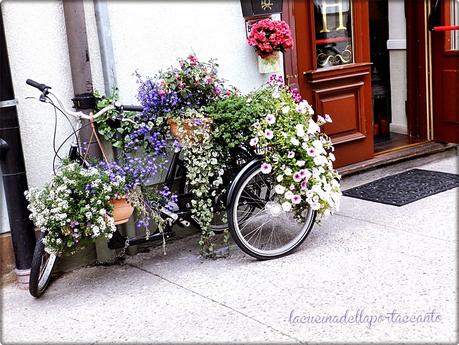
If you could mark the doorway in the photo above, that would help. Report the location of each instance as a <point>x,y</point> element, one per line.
<point>389,75</point>
<point>351,61</point>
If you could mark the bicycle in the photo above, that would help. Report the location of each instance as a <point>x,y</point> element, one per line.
<point>256,221</point>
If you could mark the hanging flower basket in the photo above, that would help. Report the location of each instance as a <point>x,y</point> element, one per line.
<point>269,64</point>
<point>190,130</point>
<point>122,210</point>
<point>269,37</point>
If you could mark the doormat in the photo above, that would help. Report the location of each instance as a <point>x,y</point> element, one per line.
<point>405,188</point>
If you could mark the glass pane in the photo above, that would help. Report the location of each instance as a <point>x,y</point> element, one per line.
<point>333,21</point>
<point>454,22</point>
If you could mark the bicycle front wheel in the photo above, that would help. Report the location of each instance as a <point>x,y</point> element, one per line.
<point>258,224</point>
<point>41,269</point>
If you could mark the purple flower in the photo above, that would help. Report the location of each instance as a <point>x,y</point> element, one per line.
<point>295,94</point>
<point>253,141</point>
<point>266,168</point>
<point>291,154</point>
<point>74,224</point>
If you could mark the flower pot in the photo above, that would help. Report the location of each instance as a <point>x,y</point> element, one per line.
<point>186,132</point>
<point>269,64</point>
<point>122,210</point>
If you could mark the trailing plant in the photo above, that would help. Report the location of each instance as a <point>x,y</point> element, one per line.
<point>204,173</point>
<point>295,150</point>
<point>142,154</point>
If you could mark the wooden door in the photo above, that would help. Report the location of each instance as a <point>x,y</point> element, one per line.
<point>445,74</point>
<point>331,66</point>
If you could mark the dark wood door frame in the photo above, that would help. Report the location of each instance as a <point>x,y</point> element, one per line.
<point>343,91</point>
<point>445,81</point>
<point>417,60</point>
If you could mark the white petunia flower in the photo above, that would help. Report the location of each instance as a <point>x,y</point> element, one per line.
<point>279,189</point>
<point>295,141</point>
<point>300,130</point>
<point>288,195</point>
<point>286,206</point>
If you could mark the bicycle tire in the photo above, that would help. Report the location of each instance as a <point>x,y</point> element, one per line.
<point>41,269</point>
<point>235,224</point>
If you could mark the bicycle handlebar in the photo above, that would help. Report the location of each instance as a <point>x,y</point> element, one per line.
<point>78,114</point>
<point>127,107</point>
<point>41,87</point>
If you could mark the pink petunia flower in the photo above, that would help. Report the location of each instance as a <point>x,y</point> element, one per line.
<point>304,185</point>
<point>269,134</point>
<point>266,168</point>
<point>291,154</point>
<point>297,177</point>
<point>328,118</point>
<point>253,141</point>
<point>311,151</point>
<point>296,199</point>
<point>270,119</point>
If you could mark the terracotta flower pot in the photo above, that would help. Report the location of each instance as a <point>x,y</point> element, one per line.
<point>122,210</point>
<point>188,128</point>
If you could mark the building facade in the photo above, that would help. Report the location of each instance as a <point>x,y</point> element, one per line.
<point>388,81</point>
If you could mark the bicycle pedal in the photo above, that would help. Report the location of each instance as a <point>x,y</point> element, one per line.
<point>169,213</point>
<point>184,223</point>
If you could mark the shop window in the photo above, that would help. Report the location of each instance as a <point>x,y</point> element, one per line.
<point>333,25</point>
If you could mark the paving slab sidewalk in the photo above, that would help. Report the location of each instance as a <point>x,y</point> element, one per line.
<point>367,260</point>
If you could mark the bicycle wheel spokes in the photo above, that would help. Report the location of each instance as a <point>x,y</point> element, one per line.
<point>266,229</point>
<point>47,265</point>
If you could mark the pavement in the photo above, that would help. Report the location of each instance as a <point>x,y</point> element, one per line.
<point>381,274</point>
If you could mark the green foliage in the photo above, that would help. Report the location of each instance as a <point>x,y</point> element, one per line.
<point>109,125</point>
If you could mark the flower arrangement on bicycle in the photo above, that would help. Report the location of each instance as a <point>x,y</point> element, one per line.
<point>298,154</point>
<point>175,99</point>
<point>74,208</point>
<point>216,128</point>
<point>208,120</point>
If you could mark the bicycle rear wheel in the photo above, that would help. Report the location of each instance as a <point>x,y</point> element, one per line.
<point>41,269</point>
<point>267,231</point>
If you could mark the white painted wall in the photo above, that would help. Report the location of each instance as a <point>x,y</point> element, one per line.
<point>397,55</point>
<point>148,36</point>
<point>37,49</point>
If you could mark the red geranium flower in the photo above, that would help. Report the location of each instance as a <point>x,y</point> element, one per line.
<point>269,35</point>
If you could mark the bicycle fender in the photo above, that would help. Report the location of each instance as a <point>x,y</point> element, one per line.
<point>233,184</point>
